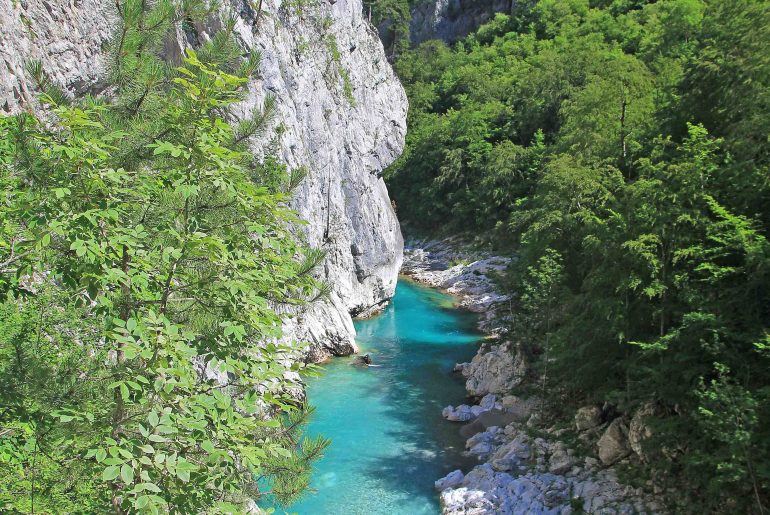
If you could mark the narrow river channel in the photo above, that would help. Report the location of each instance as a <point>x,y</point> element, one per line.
<point>389,441</point>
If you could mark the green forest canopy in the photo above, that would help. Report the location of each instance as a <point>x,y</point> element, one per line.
<point>619,148</point>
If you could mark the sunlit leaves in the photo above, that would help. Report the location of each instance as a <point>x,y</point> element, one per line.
<point>179,257</point>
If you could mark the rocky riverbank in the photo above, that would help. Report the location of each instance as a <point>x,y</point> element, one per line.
<point>524,467</point>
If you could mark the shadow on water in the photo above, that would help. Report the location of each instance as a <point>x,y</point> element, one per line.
<point>389,441</point>
<point>435,446</point>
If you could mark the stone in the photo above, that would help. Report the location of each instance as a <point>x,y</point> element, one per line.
<point>482,444</point>
<point>488,402</point>
<point>639,429</point>
<point>588,417</point>
<point>520,408</point>
<point>461,413</point>
<point>451,480</point>
<point>513,455</point>
<point>560,462</point>
<point>613,446</point>
<point>496,371</point>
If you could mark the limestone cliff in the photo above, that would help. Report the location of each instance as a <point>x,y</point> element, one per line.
<point>341,107</point>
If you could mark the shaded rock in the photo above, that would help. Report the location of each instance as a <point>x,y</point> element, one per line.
<point>451,480</point>
<point>450,20</point>
<point>613,446</point>
<point>461,413</point>
<point>519,408</point>
<point>639,430</point>
<point>588,417</point>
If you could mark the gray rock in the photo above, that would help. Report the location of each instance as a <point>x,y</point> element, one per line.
<point>613,446</point>
<point>588,417</point>
<point>513,455</point>
<point>496,371</point>
<point>560,462</point>
<point>488,402</point>
<point>461,413</point>
<point>451,480</point>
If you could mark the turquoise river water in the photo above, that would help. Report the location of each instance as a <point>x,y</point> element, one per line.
<point>389,441</point>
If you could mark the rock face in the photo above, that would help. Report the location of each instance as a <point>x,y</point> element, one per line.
<point>344,114</point>
<point>450,20</point>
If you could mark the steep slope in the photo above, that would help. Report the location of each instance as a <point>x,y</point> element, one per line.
<point>450,20</point>
<point>341,111</point>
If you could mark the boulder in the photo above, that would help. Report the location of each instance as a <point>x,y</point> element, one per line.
<point>519,408</point>
<point>588,417</point>
<point>451,480</point>
<point>512,455</point>
<point>487,419</point>
<point>496,371</point>
<point>639,430</point>
<point>483,444</point>
<point>613,446</point>
<point>560,462</point>
<point>488,401</point>
<point>461,413</point>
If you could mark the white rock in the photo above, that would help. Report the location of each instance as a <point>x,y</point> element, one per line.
<point>496,371</point>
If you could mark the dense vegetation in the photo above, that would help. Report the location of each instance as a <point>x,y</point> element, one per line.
<point>392,17</point>
<point>619,148</point>
<point>143,253</point>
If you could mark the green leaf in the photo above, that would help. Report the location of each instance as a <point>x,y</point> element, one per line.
<point>110,473</point>
<point>127,474</point>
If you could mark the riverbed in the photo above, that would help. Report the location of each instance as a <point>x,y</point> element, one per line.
<point>389,441</point>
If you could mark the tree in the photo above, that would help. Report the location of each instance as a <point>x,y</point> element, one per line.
<point>148,211</point>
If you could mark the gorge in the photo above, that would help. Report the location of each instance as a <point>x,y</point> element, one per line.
<point>546,222</point>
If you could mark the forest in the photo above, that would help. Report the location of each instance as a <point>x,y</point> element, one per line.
<point>620,150</point>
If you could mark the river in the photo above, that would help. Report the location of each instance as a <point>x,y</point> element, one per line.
<point>389,441</point>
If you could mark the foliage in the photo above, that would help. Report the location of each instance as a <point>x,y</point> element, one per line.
<point>145,256</point>
<point>619,149</point>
